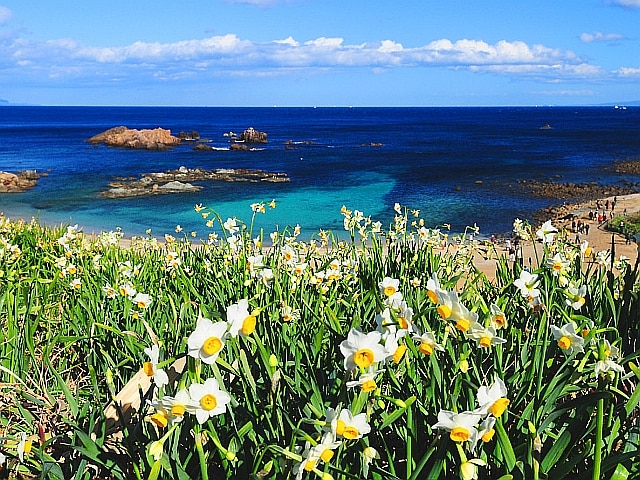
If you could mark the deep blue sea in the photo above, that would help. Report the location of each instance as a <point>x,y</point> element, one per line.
<point>456,165</point>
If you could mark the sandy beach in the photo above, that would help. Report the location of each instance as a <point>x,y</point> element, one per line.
<point>599,237</point>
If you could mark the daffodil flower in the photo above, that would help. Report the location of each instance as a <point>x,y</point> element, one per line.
<point>469,469</point>
<point>176,407</point>
<point>428,343</point>
<point>361,350</point>
<point>24,446</point>
<point>485,337</point>
<point>389,286</point>
<point>492,399</point>
<point>240,321</point>
<point>461,426</point>
<point>210,400</point>
<point>576,296</point>
<point>142,300</point>
<point>324,450</point>
<point>231,226</point>
<point>369,454</point>
<point>607,364</point>
<point>346,425</point>
<point>547,232</point>
<point>367,381</point>
<point>464,319</point>
<point>527,284</point>
<point>207,340</point>
<point>567,339</point>
<point>558,264</point>
<point>159,376</point>
<point>497,318</point>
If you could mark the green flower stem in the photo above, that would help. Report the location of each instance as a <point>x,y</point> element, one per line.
<point>201,456</point>
<point>597,456</point>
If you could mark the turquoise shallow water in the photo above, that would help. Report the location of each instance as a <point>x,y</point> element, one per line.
<point>456,165</point>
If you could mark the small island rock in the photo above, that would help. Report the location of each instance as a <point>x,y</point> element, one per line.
<point>156,139</point>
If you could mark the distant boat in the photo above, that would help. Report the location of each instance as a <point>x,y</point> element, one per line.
<point>546,127</point>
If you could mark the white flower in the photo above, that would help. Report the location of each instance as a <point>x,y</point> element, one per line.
<point>231,225</point>
<point>207,340</point>
<point>461,426</point>
<point>428,343</point>
<point>575,296</point>
<point>498,318</point>
<point>528,284</point>
<point>547,232</point>
<point>210,400</point>
<point>347,425</point>
<point>493,400</point>
<point>240,321</point>
<point>567,338</point>
<point>142,300</point>
<point>362,350</point>
<point>485,336</point>
<point>151,367</point>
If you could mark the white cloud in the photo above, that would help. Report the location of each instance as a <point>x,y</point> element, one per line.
<point>5,15</point>
<point>627,3</point>
<point>228,54</point>
<point>601,37</point>
<point>628,72</point>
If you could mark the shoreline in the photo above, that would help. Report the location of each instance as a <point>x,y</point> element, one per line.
<point>598,237</point>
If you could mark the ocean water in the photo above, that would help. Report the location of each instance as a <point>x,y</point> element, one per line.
<point>456,165</point>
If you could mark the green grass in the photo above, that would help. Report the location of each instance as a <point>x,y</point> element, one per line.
<point>68,347</point>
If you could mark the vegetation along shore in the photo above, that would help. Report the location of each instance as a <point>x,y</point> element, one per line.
<point>397,354</point>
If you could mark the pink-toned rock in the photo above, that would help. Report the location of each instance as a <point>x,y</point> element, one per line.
<point>18,182</point>
<point>155,139</point>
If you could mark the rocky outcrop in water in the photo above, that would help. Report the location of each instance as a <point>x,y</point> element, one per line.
<point>156,139</point>
<point>575,191</point>
<point>251,135</point>
<point>179,181</point>
<point>18,182</point>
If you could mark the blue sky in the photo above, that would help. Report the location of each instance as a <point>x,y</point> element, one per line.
<point>319,52</point>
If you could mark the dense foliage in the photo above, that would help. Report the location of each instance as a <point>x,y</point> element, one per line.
<point>389,355</point>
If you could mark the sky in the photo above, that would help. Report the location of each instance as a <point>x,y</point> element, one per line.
<point>319,52</point>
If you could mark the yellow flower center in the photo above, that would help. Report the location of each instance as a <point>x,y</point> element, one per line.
<point>309,465</point>
<point>249,325</point>
<point>564,343</point>
<point>208,402</point>
<point>399,353</point>
<point>444,311</point>
<point>177,410</point>
<point>211,345</point>
<point>142,304</point>
<point>587,252</point>
<point>499,406</point>
<point>340,426</point>
<point>148,368</point>
<point>160,419</point>
<point>404,324</point>
<point>459,434</point>
<point>369,385</point>
<point>350,432</point>
<point>326,455</point>
<point>433,296</point>
<point>463,324</point>
<point>389,290</point>
<point>488,435</point>
<point>485,342</point>
<point>363,358</point>
<point>557,266</point>
<point>426,348</point>
<point>499,320</point>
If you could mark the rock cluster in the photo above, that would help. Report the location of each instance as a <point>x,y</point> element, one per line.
<point>18,182</point>
<point>251,135</point>
<point>156,139</point>
<point>178,181</point>
<point>575,191</point>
